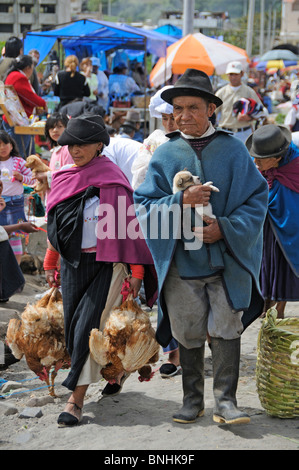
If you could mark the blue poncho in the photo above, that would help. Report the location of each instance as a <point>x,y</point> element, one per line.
<point>284,205</point>
<point>240,208</point>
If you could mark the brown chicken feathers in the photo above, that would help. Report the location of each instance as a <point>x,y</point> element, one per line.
<point>127,343</point>
<point>39,336</point>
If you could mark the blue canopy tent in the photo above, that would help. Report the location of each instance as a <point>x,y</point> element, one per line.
<point>90,37</point>
<point>170,30</point>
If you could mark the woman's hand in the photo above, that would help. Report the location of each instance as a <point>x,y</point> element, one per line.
<point>51,278</point>
<point>41,176</point>
<point>135,285</point>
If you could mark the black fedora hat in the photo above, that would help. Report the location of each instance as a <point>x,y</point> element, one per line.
<point>269,141</point>
<point>85,129</point>
<point>192,83</point>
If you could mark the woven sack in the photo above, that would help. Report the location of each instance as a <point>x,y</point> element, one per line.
<point>277,370</point>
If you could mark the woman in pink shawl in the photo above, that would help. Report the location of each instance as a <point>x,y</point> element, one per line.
<point>88,223</point>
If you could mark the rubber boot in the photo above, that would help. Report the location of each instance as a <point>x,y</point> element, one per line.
<point>226,362</point>
<point>192,362</point>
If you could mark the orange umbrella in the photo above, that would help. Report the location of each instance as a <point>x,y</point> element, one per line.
<point>199,52</point>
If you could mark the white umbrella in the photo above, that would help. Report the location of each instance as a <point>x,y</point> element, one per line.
<point>279,54</point>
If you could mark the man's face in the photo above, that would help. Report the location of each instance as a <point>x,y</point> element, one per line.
<point>191,114</point>
<point>235,78</point>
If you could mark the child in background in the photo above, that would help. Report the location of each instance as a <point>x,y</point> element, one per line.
<point>55,125</point>
<point>13,175</point>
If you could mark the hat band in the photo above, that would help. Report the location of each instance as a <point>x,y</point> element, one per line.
<point>86,140</point>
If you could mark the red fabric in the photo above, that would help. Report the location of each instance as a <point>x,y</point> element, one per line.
<point>137,271</point>
<point>50,260</point>
<point>25,92</point>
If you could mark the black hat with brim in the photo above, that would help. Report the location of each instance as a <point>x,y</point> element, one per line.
<point>269,141</point>
<point>130,125</point>
<point>192,83</point>
<point>85,129</point>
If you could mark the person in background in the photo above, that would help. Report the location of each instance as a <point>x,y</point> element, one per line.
<point>34,53</point>
<point>18,76</point>
<point>13,48</point>
<point>158,109</point>
<point>11,276</point>
<point>240,125</point>
<point>132,118</point>
<point>13,175</point>
<point>121,86</point>
<point>70,83</point>
<point>138,74</point>
<point>127,130</point>
<point>277,158</point>
<point>103,88</point>
<point>122,150</point>
<point>292,118</point>
<point>60,156</point>
<point>92,80</point>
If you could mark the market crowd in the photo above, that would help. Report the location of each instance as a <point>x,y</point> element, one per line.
<point>99,147</point>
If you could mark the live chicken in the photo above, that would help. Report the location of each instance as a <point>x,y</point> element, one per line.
<point>39,336</point>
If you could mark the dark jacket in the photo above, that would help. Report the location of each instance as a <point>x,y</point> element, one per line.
<point>68,88</point>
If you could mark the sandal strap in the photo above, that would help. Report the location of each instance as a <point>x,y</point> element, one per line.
<point>75,404</point>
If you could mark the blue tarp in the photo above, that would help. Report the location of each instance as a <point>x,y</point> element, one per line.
<point>86,38</point>
<point>170,30</point>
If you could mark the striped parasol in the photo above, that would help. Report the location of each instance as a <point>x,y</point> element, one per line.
<point>199,52</point>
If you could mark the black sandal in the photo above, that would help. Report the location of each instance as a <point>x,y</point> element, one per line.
<point>111,390</point>
<point>67,419</point>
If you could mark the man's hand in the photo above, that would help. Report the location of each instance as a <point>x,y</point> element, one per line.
<point>209,234</point>
<point>243,117</point>
<point>197,194</point>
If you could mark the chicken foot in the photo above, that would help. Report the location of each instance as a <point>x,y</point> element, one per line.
<point>51,387</point>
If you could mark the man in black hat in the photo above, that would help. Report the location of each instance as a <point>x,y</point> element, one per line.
<point>208,276</point>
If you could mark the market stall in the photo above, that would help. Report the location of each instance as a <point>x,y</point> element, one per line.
<point>15,113</point>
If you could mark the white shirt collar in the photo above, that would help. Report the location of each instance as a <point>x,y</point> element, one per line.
<point>235,88</point>
<point>208,132</point>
